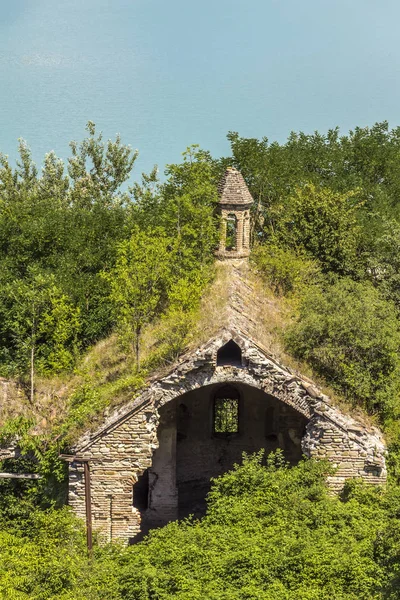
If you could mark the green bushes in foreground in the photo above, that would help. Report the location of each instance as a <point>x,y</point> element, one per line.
<point>271,532</point>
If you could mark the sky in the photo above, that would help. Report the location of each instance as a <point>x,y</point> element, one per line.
<point>169,74</point>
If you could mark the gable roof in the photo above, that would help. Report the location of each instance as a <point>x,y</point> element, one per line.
<point>232,189</point>
<point>198,367</point>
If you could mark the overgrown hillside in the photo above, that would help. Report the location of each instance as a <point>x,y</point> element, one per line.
<point>101,284</point>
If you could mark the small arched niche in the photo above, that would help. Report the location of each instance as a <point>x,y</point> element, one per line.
<point>229,355</point>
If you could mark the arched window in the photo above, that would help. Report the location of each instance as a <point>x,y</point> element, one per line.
<point>231,227</point>
<point>226,411</point>
<point>229,354</point>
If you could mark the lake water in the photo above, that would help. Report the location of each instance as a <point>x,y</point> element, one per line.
<point>169,74</point>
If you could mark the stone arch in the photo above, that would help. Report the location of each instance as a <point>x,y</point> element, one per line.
<point>231,232</point>
<point>191,450</point>
<point>124,447</point>
<point>290,393</point>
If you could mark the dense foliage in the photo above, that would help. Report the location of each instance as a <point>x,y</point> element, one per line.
<point>82,256</point>
<point>271,533</point>
<point>349,333</point>
<point>68,240</point>
<point>326,234</point>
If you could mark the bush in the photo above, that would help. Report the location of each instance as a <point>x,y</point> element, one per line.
<point>271,532</point>
<point>348,334</point>
<point>324,224</point>
<point>43,559</point>
<point>284,270</point>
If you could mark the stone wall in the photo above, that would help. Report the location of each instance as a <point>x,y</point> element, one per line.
<point>122,450</point>
<point>116,462</point>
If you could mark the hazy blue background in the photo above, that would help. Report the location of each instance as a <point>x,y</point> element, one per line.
<point>169,74</point>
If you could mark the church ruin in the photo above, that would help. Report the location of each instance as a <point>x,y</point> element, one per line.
<point>152,459</point>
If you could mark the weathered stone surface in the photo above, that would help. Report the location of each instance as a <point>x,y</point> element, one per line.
<point>122,449</point>
<point>232,189</point>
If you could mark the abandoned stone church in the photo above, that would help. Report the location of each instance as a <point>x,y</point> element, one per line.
<point>151,461</point>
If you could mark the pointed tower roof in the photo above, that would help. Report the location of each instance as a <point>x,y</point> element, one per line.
<point>233,190</point>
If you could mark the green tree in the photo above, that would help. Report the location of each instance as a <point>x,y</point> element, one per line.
<point>351,336</point>
<point>139,281</point>
<point>184,206</point>
<point>99,168</point>
<point>285,271</point>
<point>324,224</point>
<point>41,324</point>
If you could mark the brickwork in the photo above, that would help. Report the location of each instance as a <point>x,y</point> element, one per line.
<point>117,459</point>
<point>123,448</point>
<point>234,201</point>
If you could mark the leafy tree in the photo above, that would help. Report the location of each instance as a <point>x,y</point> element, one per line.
<point>41,325</point>
<point>352,337</point>
<point>184,206</point>
<point>285,271</point>
<point>67,224</point>
<point>324,224</point>
<point>98,169</point>
<point>139,281</point>
<point>383,262</point>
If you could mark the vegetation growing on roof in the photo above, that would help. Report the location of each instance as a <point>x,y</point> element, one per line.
<point>80,335</point>
<point>72,237</point>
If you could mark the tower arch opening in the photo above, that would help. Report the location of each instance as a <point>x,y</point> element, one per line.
<point>234,205</point>
<point>231,232</point>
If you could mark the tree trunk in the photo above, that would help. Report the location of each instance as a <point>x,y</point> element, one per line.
<point>32,371</point>
<point>137,347</point>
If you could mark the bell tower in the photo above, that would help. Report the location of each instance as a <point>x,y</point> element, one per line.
<point>234,205</point>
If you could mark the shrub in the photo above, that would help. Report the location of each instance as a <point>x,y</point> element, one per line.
<point>284,270</point>
<point>352,337</point>
<point>271,533</point>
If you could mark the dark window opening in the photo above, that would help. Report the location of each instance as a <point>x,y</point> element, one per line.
<point>226,411</point>
<point>229,354</point>
<point>231,226</point>
<point>141,492</point>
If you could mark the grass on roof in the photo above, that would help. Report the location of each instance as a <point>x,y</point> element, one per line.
<point>106,376</point>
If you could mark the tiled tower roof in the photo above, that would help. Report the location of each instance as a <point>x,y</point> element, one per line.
<point>233,190</point>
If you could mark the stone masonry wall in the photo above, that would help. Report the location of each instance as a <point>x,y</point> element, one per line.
<point>122,449</point>
<point>116,462</point>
